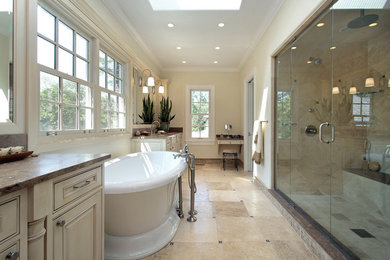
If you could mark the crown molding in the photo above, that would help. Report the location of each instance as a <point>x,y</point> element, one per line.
<point>122,17</point>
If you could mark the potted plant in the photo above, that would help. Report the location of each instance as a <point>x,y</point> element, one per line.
<point>147,112</point>
<point>165,113</point>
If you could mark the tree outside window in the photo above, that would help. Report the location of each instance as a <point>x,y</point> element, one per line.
<point>284,114</point>
<point>200,113</point>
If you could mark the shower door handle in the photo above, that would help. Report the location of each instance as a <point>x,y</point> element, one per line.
<point>332,138</point>
<point>320,133</point>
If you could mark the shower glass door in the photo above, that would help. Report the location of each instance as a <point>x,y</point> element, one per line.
<point>332,125</point>
<point>304,96</point>
<point>360,202</point>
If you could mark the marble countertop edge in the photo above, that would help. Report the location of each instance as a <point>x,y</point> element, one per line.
<point>26,173</point>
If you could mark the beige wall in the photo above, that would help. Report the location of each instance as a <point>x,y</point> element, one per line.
<point>291,16</point>
<point>228,103</point>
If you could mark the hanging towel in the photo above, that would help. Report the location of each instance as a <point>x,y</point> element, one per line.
<point>258,153</point>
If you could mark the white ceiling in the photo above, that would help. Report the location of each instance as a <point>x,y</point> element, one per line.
<point>196,32</point>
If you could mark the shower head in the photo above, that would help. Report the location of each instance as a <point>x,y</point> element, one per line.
<point>362,20</point>
<point>316,61</point>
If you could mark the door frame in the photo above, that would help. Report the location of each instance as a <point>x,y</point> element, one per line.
<point>248,114</point>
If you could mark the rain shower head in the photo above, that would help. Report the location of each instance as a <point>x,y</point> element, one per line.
<point>316,61</point>
<point>362,20</point>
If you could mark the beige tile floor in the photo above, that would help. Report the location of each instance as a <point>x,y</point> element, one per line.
<point>235,221</point>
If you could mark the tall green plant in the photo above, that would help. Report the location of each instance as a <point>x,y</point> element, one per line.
<point>147,112</point>
<point>165,110</point>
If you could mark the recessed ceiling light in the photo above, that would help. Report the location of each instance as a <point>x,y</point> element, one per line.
<point>183,62</point>
<point>373,24</point>
<point>293,47</point>
<point>171,25</point>
<point>320,24</point>
<point>180,5</point>
<point>215,61</point>
<point>332,48</point>
<point>217,48</point>
<point>221,25</point>
<point>178,48</point>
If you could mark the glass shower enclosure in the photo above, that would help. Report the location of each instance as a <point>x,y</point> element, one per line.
<point>332,125</point>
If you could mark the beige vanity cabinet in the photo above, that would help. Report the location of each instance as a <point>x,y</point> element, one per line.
<point>56,211</point>
<point>78,232</point>
<point>172,142</point>
<point>77,216</point>
<point>13,226</point>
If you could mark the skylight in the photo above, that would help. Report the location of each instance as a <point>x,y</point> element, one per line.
<point>197,5</point>
<point>361,4</point>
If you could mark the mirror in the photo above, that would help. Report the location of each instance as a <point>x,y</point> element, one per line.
<point>6,61</point>
<point>137,83</point>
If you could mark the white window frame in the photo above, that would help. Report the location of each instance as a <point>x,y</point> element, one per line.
<point>200,141</point>
<point>360,115</point>
<point>62,75</point>
<point>111,92</point>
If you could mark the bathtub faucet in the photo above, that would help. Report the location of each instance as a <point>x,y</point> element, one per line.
<point>190,160</point>
<point>154,126</point>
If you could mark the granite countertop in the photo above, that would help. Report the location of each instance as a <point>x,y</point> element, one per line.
<point>229,137</point>
<point>25,173</point>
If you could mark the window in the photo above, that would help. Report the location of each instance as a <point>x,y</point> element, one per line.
<point>284,114</point>
<point>113,100</point>
<point>361,109</point>
<point>66,96</point>
<point>200,111</point>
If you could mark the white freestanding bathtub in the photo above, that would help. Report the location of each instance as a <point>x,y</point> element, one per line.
<point>140,203</point>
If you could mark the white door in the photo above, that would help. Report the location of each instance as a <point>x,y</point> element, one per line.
<point>250,119</point>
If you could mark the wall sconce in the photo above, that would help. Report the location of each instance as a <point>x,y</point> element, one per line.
<point>352,90</point>
<point>388,83</point>
<point>149,81</point>
<point>161,88</point>
<point>145,89</point>
<point>336,90</point>
<point>369,83</point>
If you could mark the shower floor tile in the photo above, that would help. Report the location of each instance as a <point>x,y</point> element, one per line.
<point>235,221</point>
<point>348,215</point>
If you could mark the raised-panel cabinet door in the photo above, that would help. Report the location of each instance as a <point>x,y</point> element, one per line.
<point>78,232</point>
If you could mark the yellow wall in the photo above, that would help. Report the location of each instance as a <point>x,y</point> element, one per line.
<point>228,104</point>
<point>291,16</point>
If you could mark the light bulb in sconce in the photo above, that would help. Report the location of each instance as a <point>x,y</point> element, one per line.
<point>150,81</point>
<point>352,90</point>
<point>336,90</point>
<point>145,90</point>
<point>369,83</point>
<point>161,89</point>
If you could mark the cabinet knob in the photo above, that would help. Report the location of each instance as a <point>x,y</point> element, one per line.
<point>12,256</point>
<point>60,223</point>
